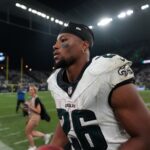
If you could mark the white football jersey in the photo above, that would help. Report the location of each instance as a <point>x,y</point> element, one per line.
<point>86,116</point>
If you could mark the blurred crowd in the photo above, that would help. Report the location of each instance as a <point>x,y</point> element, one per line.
<point>39,78</point>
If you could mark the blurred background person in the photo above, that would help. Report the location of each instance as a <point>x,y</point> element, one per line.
<point>33,108</point>
<point>20,98</point>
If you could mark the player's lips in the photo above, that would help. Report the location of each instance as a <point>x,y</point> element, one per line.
<point>56,55</point>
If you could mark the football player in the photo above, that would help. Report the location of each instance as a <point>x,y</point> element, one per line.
<point>97,102</point>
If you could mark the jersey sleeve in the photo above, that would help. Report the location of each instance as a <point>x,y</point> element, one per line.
<point>121,75</point>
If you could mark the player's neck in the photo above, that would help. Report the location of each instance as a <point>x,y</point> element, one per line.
<point>74,71</point>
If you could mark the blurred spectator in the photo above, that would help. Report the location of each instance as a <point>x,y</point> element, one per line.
<point>33,106</point>
<point>20,99</point>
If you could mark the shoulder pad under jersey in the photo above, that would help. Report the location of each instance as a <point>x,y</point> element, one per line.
<point>107,63</point>
<point>53,76</point>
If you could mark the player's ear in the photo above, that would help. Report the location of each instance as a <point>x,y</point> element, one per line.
<point>85,46</point>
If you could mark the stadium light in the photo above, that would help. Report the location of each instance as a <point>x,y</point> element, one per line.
<point>21,6</point>
<point>29,9</point>
<point>2,68</point>
<point>146,61</point>
<point>30,69</point>
<point>125,13</point>
<point>56,21</point>
<point>122,15</point>
<point>144,7</point>
<point>129,12</point>
<point>104,21</point>
<point>61,22</point>
<point>52,19</point>
<point>47,17</point>
<point>2,57</point>
<point>91,27</point>
<point>26,66</point>
<point>41,14</point>
<point>65,24</point>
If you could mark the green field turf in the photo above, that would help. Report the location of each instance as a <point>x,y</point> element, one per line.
<point>12,125</point>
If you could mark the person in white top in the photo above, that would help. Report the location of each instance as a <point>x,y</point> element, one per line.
<point>97,102</point>
<point>34,110</point>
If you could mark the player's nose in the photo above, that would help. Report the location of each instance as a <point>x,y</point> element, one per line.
<point>56,46</point>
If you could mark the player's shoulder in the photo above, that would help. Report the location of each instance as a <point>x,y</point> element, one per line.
<point>106,63</point>
<point>109,59</point>
<point>53,75</point>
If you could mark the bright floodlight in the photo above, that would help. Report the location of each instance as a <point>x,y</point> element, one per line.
<point>47,17</point>
<point>104,22</point>
<point>38,13</point>
<point>21,6</point>
<point>2,67</point>
<point>26,66</point>
<point>52,18</point>
<point>61,22</point>
<point>65,24</point>
<point>30,9</point>
<point>41,14</point>
<point>122,15</point>
<point>146,61</point>
<point>2,57</point>
<point>129,12</point>
<point>56,21</point>
<point>34,11</point>
<point>144,7</point>
<point>91,27</point>
<point>30,69</point>
<point>125,13</point>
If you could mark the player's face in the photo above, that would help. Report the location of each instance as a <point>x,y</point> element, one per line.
<point>67,50</point>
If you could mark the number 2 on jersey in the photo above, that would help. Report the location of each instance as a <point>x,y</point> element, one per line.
<point>89,135</point>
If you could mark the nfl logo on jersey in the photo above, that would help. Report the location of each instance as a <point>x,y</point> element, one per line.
<point>70,89</point>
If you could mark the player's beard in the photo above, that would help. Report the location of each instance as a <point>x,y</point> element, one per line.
<point>64,63</point>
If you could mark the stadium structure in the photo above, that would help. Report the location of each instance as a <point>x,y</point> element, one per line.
<point>29,29</point>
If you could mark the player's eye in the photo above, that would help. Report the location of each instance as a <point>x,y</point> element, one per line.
<point>63,40</point>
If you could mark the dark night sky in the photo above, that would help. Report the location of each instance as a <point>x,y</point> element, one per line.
<point>34,47</point>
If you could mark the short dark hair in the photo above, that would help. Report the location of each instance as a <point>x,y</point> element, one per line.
<point>80,30</point>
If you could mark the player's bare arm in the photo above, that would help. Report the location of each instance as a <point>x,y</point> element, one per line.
<point>129,108</point>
